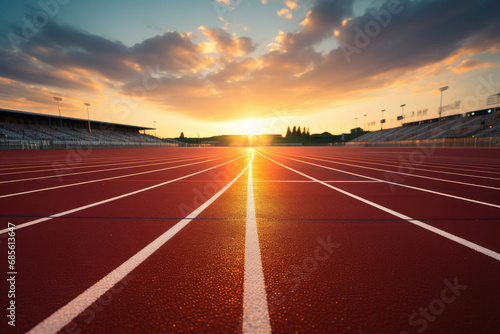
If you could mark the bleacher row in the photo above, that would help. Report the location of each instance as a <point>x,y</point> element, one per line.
<point>461,127</point>
<point>9,131</point>
<point>31,136</point>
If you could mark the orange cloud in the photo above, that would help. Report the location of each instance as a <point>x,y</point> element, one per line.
<point>470,65</point>
<point>292,5</point>
<point>285,13</point>
<point>226,44</point>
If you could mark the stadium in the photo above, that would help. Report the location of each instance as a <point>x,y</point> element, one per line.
<point>255,167</point>
<point>24,130</point>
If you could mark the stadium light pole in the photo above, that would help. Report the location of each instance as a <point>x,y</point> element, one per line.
<point>402,112</point>
<point>155,127</point>
<point>364,129</point>
<point>88,114</point>
<point>355,125</point>
<point>442,89</point>
<point>382,120</point>
<point>498,98</point>
<point>58,99</point>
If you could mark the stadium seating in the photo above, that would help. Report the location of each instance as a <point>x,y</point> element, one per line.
<point>46,136</point>
<point>459,127</point>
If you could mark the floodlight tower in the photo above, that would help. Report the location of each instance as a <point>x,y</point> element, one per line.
<point>58,99</point>
<point>88,114</point>
<point>498,101</point>
<point>402,112</point>
<point>382,121</point>
<point>364,129</point>
<point>442,89</point>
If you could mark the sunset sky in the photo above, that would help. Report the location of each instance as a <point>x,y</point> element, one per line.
<point>241,66</point>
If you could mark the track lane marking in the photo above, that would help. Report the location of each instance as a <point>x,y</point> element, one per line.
<point>97,163</point>
<point>407,174</point>
<point>89,165</point>
<point>429,163</point>
<point>67,313</point>
<point>103,170</point>
<point>419,223</point>
<point>114,159</point>
<point>60,214</point>
<point>41,163</point>
<point>416,168</point>
<point>107,178</point>
<point>394,183</point>
<point>255,308</point>
<point>306,181</point>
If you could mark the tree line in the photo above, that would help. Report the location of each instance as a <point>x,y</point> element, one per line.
<point>297,131</point>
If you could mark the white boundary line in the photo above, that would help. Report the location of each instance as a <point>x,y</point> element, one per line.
<point>107,178</point>
<point>60,214</point>
<point>407,174</point>
<point>394,183</point>
<point>165,162</point>
<point>82,164</point>
<point>428,164</point>
<point>67,313</point>
<point>306,181</point>
<point>398,165</point>
<point>433,229</point>
<point>255,308</point>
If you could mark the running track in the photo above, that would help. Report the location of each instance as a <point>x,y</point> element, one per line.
<point>231,240</point>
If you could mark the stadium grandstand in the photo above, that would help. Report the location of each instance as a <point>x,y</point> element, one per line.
<point>26,130</point>
<point>475,128</point>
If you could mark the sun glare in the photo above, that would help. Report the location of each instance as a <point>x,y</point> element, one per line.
<point>250,127</point>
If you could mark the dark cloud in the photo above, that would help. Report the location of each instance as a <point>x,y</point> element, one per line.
<point>376,49</point>
<point>173,52</point>
<point>423,32</point>
<point>65,47</point>
<point>319,23</point>
<point>21,67</point>
<point>420,34</point>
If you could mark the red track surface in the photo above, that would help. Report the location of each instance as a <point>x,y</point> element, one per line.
<point>392,240</point>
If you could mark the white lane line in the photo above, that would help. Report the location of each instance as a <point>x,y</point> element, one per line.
<point>60,214</point>
<point>394,166</point>
<point>425,164</point>
<point>56,174</point>
<point>56,167</point>
<point>87,164</point>
<point>67,313</point>
<point>306,181</point>
<point>255,308</point>
<point>44,163</point>
<point>428,163</point>
<point>106,179</point>
<point>410,175</point>
<point>433,229</point>
<point>394,183</point>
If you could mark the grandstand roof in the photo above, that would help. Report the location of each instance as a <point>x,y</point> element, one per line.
<point>15,116</point>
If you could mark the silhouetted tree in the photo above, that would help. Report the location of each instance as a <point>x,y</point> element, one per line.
<point>294,131</point>
<point>182,135</point>
<point>288,132</point>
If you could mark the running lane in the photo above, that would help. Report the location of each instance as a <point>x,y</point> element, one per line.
<point>62,257</point>
<point>255,245</point>
<point>470,214</point>
<point>334,264</point>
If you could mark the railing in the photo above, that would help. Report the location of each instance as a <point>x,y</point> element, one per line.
<point>6,144</point>
<point>447,142</point>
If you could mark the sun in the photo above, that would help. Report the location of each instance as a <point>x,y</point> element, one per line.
<point>250,127</point>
